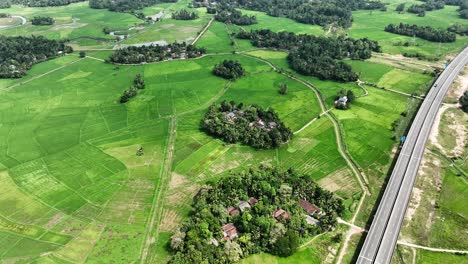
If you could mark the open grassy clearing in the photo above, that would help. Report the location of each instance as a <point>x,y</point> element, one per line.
<point>372,24</point>
<point>76,22</point>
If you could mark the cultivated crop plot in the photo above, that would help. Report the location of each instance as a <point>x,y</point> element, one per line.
<point>228,131</point>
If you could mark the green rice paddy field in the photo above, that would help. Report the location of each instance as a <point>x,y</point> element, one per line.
<point>72,188</point>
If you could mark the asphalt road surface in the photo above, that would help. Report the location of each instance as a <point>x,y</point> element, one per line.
<point>382,237</point>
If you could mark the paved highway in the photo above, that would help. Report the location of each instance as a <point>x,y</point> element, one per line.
<point>382,237</point>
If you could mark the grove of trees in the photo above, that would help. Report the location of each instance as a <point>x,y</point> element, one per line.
<point>310,12</point>
<point>316,56</point>
<point>132,91</point>
<point>230,15</point>
<point>464,102</point>
<point>183,14</point>
<point>42,21</point>
<point>427,33</point>
<point>258,231</point>
<point>44,3</point>
<point>459,28</point>
<point>154,53</point>
<point>125,5</point>
<point>18,54</point>
<point>229,69</point>
<point>250,125</point>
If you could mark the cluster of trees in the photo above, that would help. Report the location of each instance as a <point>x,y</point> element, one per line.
<point>400,8</point>
<point>138,84</point>
<point>250,125</point>
<point>283,89</point>
<point>44,3</point>
<point>427,6</point>
<point>42,21</point>
<point>305,11</point>
<point>125,5</point>
<point>464,102</point>
<point>154,53</point>
<point>427,33</point>
<point>461,29</point>
<point>463,9</point>
<point>258,230</point>
<point>316,56</point>
<point>5,4</point>
<point>229,69</point>
<point>183,14</point>
<point>18,54</point>
<point>230,15</point>
<point>4,15</point>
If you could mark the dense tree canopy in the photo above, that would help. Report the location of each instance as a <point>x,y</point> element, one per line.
<point>229,69</point>
<point>154,53</point>
<point>18,54</point>
<point>427,33</point>
<point>5,4</point>
<point>132,91</point>
<point>427,6</point>
<point>43,3</point>
<point>459,28</point>
<point>464,101</point>
<point>125,5</point>
<point>183,14</point>
<point>305,11</point>
<point>42,21</point>
<point>250,125</point>
<point>200,239</point>
<point>230,15</point>
<point>316,56</point>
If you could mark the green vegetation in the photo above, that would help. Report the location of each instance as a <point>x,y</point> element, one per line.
<point>77,22</point>
<point>155,53</point>
<point>227,14</point>
<point>370,25</point>
<point>44,3</point>
<point>320,13</point>
<point>18,54</point>
<point>269,219</point>
<point>229,69</point>
<point>124,5</point>
<point>316,56</point>
<point>464,102</point>
<point>183,14</point>
<point>250,125</point>
<point>42,21</point>
<point>427,33</point>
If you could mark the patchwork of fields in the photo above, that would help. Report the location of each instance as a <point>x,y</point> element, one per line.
<point>74,190</point>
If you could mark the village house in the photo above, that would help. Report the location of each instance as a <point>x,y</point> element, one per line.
<point>311,209</point>
<point>252,201</point>
<point>243,205</point>
<point>232,211</point>
<point>230,232</point>
<point>280,214</point>
<point>311,221</point>
<point>341,102</point>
